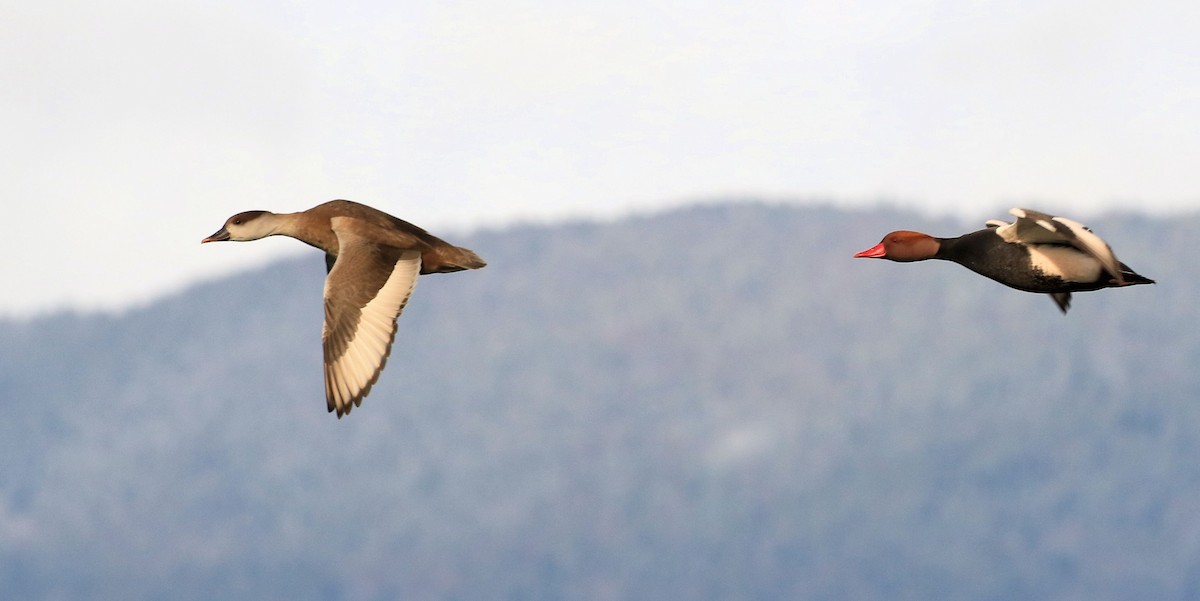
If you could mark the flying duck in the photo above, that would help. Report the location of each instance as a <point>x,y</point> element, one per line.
<point>1035,253</point>
<point>372,261</point>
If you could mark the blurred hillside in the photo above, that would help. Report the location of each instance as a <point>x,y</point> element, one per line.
<point>711,403</point>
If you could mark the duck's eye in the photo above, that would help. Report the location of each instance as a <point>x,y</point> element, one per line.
<point>237,221</point>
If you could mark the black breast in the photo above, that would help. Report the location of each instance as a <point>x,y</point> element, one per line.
<point>989,255</point>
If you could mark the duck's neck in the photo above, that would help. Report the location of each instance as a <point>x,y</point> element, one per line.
<point>281,224</point>
<point>307,229</point>
<point>966,248</point>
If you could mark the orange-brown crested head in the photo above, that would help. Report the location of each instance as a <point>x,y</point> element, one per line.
<point>903,246</point>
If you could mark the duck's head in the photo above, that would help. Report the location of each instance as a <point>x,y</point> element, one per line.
<point>903,246</point>
<point>250,225</point>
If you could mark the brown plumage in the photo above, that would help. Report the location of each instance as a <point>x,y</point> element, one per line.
<point>372,260</point>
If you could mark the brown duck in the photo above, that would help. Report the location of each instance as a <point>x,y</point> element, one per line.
<point>372,260</point>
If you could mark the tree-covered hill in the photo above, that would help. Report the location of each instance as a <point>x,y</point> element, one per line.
<point>711,403</point>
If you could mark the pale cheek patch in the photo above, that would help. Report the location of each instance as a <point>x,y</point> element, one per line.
<point>1065,263</point>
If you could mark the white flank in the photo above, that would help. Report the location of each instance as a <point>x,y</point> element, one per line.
<point>1065,262</point>
<point>1096,246</point>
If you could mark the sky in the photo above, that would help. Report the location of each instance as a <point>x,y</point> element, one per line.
<point>131,129</point>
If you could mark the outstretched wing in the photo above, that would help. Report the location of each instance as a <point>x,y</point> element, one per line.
<point>365,291</point>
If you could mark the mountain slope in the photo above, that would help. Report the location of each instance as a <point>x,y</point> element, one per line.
<point>712,403</point>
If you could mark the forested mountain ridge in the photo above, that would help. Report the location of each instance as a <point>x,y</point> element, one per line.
<point>711,403</point>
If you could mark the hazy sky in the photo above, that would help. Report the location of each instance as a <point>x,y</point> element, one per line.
<point>131,129</point>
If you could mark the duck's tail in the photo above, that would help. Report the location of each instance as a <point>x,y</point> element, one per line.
<point>453,258</point>
<point>1129,277</point>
